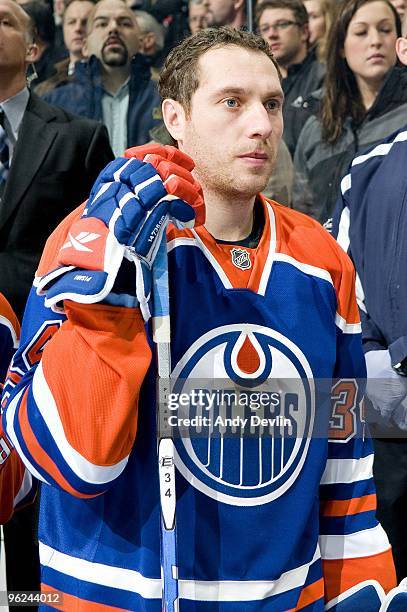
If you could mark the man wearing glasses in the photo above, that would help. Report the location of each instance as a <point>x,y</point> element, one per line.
<point>284,26</point>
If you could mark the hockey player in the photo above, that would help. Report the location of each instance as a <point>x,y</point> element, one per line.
<point>260,292</point>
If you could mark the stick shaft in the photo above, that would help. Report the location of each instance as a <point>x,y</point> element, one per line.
<point>166,466</point>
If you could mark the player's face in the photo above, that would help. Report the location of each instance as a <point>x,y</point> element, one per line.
<point>287,42</point>
<point>114,35</point>
<point>370,43</point>
<point>235,124</point>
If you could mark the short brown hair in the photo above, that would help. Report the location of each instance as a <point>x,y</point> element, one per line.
<point>296,6</point>
<point>179,77</point>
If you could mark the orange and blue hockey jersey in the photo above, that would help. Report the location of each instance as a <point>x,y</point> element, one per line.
<point>264,524</point>
<point>16,484</point>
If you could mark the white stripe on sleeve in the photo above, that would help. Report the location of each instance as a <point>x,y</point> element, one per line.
<point>361,544</point>
<point>84,469</point>
<point>345,471</point>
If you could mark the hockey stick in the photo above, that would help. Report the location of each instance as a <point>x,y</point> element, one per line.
<point>166,467</point>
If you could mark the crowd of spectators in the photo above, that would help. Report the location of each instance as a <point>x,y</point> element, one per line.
<point>345,92</point>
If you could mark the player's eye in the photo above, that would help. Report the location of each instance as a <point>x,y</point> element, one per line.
<point>273,105</point>
<point>231,103</point>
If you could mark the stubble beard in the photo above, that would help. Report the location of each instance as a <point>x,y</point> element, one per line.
<point>220,178</point>
<point>227,185</point>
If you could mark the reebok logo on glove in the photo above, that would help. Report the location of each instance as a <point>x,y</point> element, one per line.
<point>78,242</point>
<point>75,252</point>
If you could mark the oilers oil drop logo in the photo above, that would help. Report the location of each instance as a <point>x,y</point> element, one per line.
<point>249,469</point>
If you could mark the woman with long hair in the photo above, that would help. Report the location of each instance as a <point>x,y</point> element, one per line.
<point>320,17</point>
<point>364,99</point>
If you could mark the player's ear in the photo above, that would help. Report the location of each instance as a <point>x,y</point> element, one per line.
<point>174,118</point>
<point>401,50</point>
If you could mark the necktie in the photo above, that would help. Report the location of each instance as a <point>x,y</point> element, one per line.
<point>4,153</point>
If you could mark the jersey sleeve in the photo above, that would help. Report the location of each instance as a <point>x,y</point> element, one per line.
<point>16,485</point>
<point>354,546</point>
<point>72,412</point>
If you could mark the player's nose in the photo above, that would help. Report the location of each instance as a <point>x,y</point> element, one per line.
<point>259,122</point>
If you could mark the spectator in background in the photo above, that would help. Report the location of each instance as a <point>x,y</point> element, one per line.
<point>226,13</point>
<point>316,19</point>
<point>114,85</point>
<point>280,185</point>
<point>364,99</point>
<point>58,11</point>
<point>320,17</point>
<point>173,14</point>
<point>49,162</point>
<point>152,40</point>
<point>370,223</point>
<point>284,26</point>
<point>74,29</point>
<point>197,15</point>
<point>48,53</point>
<point>400,6</point>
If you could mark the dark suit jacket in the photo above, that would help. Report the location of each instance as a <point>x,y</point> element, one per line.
<point>56,160</point>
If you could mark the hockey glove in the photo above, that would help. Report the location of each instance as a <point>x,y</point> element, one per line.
<point>125,218</point>
<point>385,388</point>
<point>366,596</point>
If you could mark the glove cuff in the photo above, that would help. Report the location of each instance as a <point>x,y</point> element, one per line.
<point>80,284</point>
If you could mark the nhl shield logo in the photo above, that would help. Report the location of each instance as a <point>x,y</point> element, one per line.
<point>241,259</point>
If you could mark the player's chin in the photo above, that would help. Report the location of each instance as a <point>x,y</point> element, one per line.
<point>253,184</point>
<point>259,177</point>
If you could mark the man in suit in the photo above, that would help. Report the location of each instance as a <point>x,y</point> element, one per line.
<point>49,159</point>
<point>54,158</point>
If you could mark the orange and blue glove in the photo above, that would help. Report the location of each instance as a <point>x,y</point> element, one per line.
<point>128,210</point>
